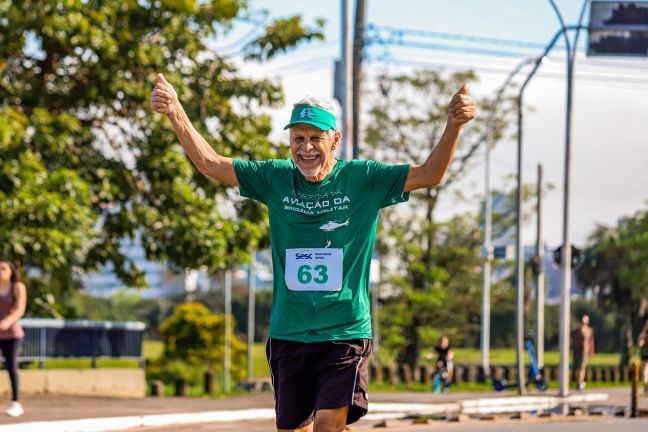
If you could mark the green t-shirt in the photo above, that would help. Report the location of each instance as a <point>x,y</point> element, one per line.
<point>322,237</point>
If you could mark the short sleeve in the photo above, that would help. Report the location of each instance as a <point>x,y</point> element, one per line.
<point>388,182</point>
<point>253,178</point>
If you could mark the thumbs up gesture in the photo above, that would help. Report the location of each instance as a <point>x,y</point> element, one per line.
<point>462,107</point>
<point>164,99</point>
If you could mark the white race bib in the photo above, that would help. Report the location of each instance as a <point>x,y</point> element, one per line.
<point>317,269</point>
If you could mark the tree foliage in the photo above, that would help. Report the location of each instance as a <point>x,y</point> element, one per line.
<point>438,283</point>
<point>85,163</point>
<point>196,336</point>
<point>616,267</point>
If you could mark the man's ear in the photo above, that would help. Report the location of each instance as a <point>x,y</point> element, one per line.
<point>336,140</point>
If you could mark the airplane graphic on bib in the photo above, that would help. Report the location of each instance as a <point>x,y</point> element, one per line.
<point>332,226</point>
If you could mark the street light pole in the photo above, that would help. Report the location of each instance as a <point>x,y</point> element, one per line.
<point>566,273</point>
<point>519,258</point>
<point>540,276</point>
<point>487,254</point>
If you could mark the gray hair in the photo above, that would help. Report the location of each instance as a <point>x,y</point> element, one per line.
<point>320,102</point>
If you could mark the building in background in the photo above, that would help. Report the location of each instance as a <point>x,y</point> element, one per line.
<point>164,281</point>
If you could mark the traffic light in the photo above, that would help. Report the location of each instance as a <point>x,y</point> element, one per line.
<point>576,256</point>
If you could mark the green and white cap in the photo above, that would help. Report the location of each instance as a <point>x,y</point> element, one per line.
<point>312,115</point>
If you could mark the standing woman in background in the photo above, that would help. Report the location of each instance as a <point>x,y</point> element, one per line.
<point>13,298</point>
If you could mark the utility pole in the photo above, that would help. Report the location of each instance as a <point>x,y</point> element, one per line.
<point>228,332</point>
<point>251,317</point>
<point>540,276</point>
<point>346,80</point>
<point>358,49</point>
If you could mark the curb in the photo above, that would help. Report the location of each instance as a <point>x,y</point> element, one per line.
<point>525,403</point>
<point>379,411</point>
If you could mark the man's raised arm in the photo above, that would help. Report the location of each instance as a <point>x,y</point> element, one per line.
<point>164,100</point>
<point>460,111</point>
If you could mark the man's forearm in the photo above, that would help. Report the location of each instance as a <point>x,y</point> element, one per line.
<point>439,159</point>
<point>196,147</point>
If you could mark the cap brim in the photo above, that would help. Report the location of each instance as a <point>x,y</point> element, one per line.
<point>319,125</point>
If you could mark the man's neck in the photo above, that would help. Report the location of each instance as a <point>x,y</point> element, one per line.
<point>325,171</point>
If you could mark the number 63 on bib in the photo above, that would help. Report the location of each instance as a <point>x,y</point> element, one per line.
<point>317,269</point>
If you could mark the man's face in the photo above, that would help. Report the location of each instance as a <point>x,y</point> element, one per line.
<point>312,148</point>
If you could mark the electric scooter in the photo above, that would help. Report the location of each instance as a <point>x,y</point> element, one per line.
<point>535,373</point>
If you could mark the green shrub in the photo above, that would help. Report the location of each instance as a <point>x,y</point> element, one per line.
<point>195,336</point>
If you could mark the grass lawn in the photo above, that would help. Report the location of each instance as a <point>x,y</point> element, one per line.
<point>507,357</point>
<point>485,387</point>
<point>463,356</point>
<point>152,350</point>
<point>260,366</point>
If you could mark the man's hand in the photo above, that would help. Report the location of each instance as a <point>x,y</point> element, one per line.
<point>164,99</point>
<point>462,107</point>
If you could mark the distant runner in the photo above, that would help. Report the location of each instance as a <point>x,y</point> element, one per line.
<point>582,342</point>
<point>444,366</point>
<point>323,214</point>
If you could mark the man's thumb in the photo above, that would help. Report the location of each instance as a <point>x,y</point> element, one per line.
<point>464,89</point>
<point>161,79</point>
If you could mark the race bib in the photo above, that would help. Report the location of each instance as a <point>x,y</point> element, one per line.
<point>318,269</point>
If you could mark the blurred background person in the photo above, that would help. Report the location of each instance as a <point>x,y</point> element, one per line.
<point>582,344</point>
<point>13,298</point>
<point>444,367</point>
<point>643,353</point>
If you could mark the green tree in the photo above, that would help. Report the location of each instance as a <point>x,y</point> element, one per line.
<point>262,307</point>
<point>84,161</point>
<point>438,285</point>
<point>616,268</point>
<point>196,336</point>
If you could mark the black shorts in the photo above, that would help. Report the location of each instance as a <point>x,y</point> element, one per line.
<point>308,377</point>
<point>579,360</point>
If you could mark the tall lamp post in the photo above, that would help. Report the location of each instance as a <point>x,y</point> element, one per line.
<point>487,248</point>
<point>565,276</point>
<point>566,255</point>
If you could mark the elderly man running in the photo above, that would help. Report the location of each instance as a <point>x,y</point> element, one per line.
<point>323,215</point>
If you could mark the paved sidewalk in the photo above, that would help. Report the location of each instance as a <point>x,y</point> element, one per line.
<point>51,407</point>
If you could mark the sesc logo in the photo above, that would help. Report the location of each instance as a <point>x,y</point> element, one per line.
<point>306,254</point>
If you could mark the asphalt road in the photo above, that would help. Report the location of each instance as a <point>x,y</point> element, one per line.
<point>590,424</point>
<point>54,408</point>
